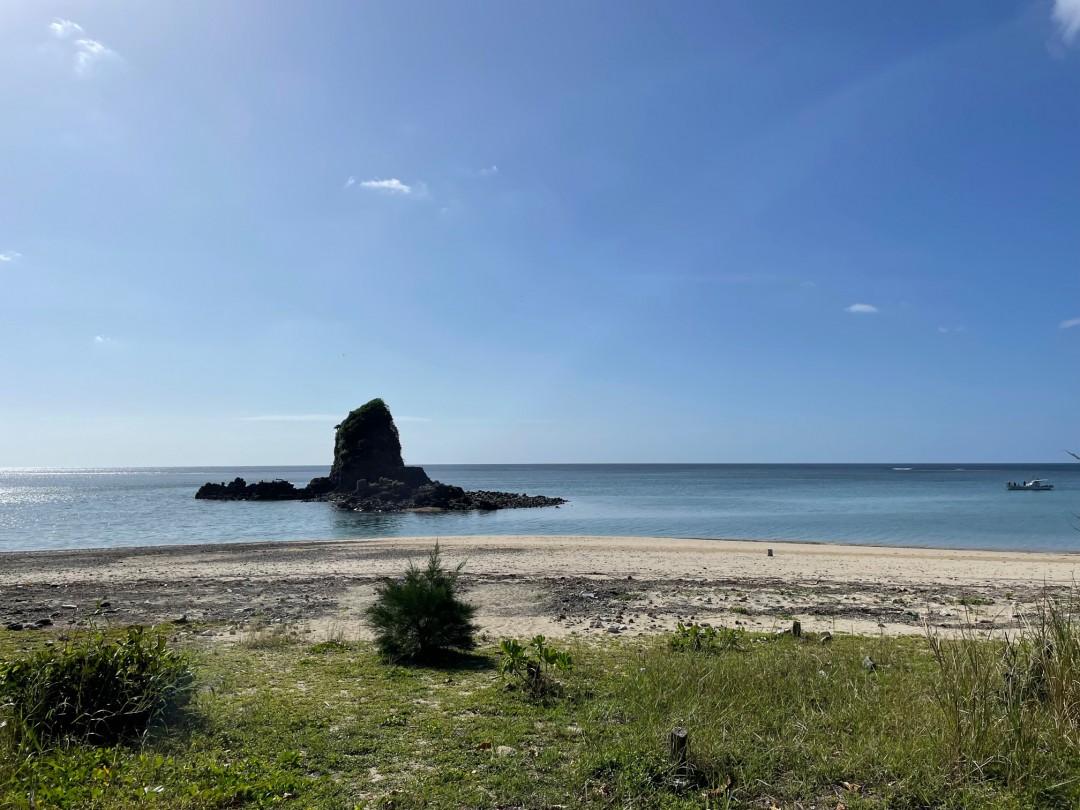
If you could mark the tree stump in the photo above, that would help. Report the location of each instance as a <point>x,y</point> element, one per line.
<point>679,748</point>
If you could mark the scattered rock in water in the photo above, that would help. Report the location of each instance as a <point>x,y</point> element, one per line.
<point>240,490</point>
<point>369,475</point>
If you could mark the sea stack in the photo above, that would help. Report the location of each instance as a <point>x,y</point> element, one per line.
<point>369,475</point>
<point>367,447</point>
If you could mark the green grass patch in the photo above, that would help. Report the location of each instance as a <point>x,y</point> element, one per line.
<point>97,688</point>
<point>771,719</point>
<point>973,601</point>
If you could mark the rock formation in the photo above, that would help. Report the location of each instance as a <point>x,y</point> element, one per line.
<point>367,448</point>
<point>369,475</point>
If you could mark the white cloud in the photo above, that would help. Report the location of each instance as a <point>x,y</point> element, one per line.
<point>489,171</point>
<point>394,186</point>
<point>86,52</point>
<point>1069,324</point>
<point>862,309</point>
<point>99,339</point>
<point>10,256</point>
<point>350,182</point>
<point>1066,15</point>
<point>294,417</point>
<point>89,53</point>
<point>317,417</point>
<point>64,28</point>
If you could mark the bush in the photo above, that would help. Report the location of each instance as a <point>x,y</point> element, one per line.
<point>101,690</point>
<point>696,638</point>
<point>533,665</point>
<point>419,618</point>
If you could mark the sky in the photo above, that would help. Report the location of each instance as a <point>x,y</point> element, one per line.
<point>546,232</point>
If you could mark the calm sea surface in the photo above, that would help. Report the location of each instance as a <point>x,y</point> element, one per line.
<point>955,506</point>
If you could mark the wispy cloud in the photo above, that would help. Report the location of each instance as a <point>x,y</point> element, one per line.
<point>317,417</point>
<point>394,186</point>
<point>100,339</point>
<point>1066,15</point>
<point>89,53</point>
<point>64,28</point>
<point>488,171</point>
<point>1069,324</point>
<point>862,309</point>
<point>294,417</point>
<point>86,52</point>
<point>350,182</point>
<point>947,329</point>
<point>9,256</point>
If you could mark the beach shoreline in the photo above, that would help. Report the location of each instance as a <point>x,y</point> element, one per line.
<point>555,585</point>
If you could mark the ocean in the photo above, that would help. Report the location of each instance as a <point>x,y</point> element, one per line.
<point>935,505</point>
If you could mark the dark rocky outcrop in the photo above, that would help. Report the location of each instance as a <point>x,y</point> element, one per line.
<point>369,475</point>
<point>387,495</point>
<point>367,448</point>
<point>240,490</point>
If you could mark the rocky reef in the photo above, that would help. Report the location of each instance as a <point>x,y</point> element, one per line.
<point>369,475</point>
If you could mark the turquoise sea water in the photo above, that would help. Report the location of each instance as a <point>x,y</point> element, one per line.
<point>953,506</point>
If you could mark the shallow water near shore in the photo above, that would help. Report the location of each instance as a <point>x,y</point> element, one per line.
<point>944,506</point>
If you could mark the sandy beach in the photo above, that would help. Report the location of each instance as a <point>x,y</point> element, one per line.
<point>531,584</point>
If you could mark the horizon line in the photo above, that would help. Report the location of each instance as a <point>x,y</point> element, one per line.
<point>899,465</point>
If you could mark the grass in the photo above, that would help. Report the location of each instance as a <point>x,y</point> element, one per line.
<point>791,722</point>
<point>973,601</point>
<point>97,688</point>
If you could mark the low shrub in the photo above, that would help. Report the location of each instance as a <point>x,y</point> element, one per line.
<point>420,618</point>
<point>533,665</point>
<point>695,638</point>
<point>98,690</point>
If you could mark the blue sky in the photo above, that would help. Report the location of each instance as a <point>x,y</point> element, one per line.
<point>569,232</point>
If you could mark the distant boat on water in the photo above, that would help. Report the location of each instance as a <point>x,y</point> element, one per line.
<point>1034,485</point>
<point>903,469</point>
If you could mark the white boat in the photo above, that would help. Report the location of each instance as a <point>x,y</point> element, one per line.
<point>1034,485</point>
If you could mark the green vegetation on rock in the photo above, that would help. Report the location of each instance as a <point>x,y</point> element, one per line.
<point>366,444</point>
